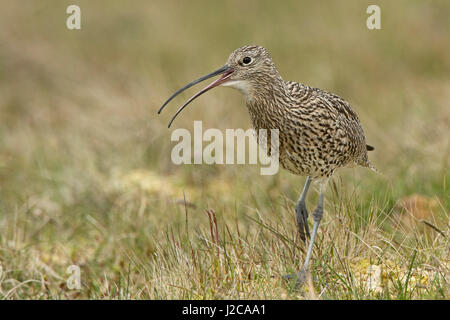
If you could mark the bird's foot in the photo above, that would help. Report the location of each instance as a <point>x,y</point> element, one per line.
<point>297,279</point>
<point>302,220</point>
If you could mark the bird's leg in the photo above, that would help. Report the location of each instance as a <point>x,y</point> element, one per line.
<point>317,216</point>
<point>301,276</point>
<point>301,213</point>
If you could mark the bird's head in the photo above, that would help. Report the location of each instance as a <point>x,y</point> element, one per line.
<point>248,69</point>
<point>253,69</point>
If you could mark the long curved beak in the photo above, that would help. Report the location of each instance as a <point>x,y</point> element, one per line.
<point>225,71</point>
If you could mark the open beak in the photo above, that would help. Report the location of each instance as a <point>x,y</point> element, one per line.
<point>225,71</point>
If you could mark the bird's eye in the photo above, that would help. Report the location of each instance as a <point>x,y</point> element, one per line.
<point>247,60</point>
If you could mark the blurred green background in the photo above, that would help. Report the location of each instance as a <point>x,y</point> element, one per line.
<point>85,170</point>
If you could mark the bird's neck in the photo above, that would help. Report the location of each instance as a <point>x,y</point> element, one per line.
<point>264,102</point>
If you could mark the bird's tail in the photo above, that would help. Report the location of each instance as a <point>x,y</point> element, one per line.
<point>371,167</point>
<point>364,162</point>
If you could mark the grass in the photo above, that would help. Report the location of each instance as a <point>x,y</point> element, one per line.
<point>86,177</point>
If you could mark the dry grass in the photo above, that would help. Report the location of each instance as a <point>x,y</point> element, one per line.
<point>86,177</point>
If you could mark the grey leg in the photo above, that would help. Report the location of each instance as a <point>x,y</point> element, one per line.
<point>317,216</point>
<point>301,213</point>
<point>301,276</point>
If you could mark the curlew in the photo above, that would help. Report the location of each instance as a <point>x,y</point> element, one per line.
<point>318,131</point>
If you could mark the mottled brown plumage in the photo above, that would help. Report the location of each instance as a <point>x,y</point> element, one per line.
<point>318,131</point>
